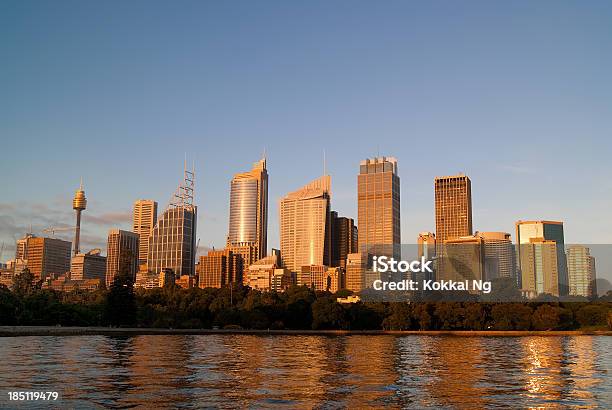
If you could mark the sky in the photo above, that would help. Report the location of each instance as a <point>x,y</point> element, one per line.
<point>517,95</point>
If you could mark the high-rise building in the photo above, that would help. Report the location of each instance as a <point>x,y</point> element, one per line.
<point>461,259</point>
<point>47,257</point>
<point>305,232</point>
<point>526,231</point>
<point>121,254</point>
<point>248,220</point>
<point>581,271</point>
<point>453,200</point>
<point>145,218</point>
<point>378,203</point>
<point>172,245</point>
<point>500,259</point>
<point>21,249</point>
<point>90,265</point>
<point>356,266</point>
<point>219,268</point>
<point>539,267</point>
<point>322,278</point>
<point>344,239</point>
<point>426,248</point>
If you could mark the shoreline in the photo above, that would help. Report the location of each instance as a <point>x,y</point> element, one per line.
<point>16,331</point>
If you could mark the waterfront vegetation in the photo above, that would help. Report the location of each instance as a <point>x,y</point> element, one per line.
<point>299,307</point>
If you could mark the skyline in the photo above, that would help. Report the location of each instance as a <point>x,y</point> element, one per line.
<point>435,91</point>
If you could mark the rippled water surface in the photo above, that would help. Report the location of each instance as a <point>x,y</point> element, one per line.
<point>231,371</point>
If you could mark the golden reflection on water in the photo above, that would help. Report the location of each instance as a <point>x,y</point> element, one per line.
<point>236,371</point>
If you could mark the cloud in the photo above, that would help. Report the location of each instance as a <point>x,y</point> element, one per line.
<point>109,219</point>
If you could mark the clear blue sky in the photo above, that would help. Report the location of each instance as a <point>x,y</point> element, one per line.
<point>518,95</point>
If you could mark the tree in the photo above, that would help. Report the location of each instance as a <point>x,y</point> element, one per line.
<point>23,283</point>
<point>593,315</point>
<point>511,316</point>
<point>399,318</point>
<point>328,314</point>
<point>120,308</point>
<point>546,317</point>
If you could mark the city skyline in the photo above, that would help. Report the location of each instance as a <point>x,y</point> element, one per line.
<point>505,116</point>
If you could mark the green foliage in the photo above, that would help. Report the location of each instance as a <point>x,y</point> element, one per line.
<point>593,315</point>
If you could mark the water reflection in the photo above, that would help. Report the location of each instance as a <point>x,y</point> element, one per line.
<point>230,371</point>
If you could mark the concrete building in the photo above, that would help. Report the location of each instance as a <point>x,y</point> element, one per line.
<point>581,271</point>
<point>121,254</point>
<point>378,207</point>
<point>344,239</point>
<point>248,219</point>
<point>305,232</point>
<point>186,282</point>
<point>500,258</point>
<point>219,268</point>
<point>48,257</point>
<point>539,267</point>
<point>79,204</point>
<point>453,202</point>
<point>144,221</point>
<point>90,265</point>
<point>356,266</point>
<point>526,231</point>
<point>172,245</point>
<point>461,259</point>
<point>146,280</point>
<point>321,278</point>
<point>65,283</point>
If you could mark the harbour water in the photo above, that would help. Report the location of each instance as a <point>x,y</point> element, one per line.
<point>237,371</point>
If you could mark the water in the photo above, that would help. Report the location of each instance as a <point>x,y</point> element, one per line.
<point>230,371</point>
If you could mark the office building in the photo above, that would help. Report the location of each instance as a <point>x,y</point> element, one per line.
<point>461,259</point>
<point>248,219</point>
<point>344,239</point>
<point>90,265</point>
<point>121,254</point>
<point>305,232</point>
<point>547,231</point>
<point>356,267</point>
<point>581,271</point>
<point>378,207</point>
<point>500,258</point>
<point>539,267</point>
<point>426,248</point>
<point>219,268</point>
<point>144,220</point>
<point>172,245</point>
<point>453,202</point>
<point>47,257</point>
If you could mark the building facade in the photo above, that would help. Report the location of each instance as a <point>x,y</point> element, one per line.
<point>539,267</point>
<point>378,207</point>
<point>90,265</point>
<point>344,239</point>
<point>144,220</point>
<point>581,271</point>
<point>121,254</point>
<point>219,268</point>
<point>248,219</point>
<point>500,258</point>
<point>305,232</point>
<point>453,203</point>
<point>528,231</point>
<point>48,257</point>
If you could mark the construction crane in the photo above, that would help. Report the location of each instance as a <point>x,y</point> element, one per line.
<point>52,229</point>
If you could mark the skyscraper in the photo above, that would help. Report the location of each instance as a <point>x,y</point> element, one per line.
<point>145,218</point>
<point>172,244</point>
<point>344,239</point>
<point>378,203</point>
<point>248,221</point>
<point>121,254</point>
<point>305,234</point>
<point>581,271</point>
<point>527,231</point>
<point>539,267</point>
<point>218,269</point>
<point>453,201</point>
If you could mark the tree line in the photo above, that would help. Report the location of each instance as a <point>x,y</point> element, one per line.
<point>299,307</point>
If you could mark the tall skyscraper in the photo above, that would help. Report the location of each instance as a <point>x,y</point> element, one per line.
<point>47,256</point>
<point>172,245</point>
<point>79,204</point>
<point>121,254</point>
<point>344,239</point>
<point>378,203</point>
<point>527,231</point>
<point>453,200</point>
<point>305,233</point>
<point>145,218</point>
<point>248,221</point>
<point>581,271</point>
